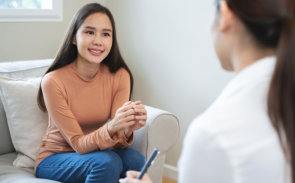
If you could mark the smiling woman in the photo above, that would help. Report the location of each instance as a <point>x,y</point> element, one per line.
<point>86,93</point>
<point>30,10</point>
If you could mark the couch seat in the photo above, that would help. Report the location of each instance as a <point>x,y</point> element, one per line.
<point>11,174</point>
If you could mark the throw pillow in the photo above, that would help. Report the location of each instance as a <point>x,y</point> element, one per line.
<point>26,122</point>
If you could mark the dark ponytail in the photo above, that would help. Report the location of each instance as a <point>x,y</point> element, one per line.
<point>281,96</point>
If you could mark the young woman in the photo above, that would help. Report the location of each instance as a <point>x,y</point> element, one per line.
<point>88,84</point>
<point>248,134</point>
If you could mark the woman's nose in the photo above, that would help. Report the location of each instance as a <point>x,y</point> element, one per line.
<point>97,40</point>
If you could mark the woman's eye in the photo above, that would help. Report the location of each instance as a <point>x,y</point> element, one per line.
<point>106,34</point>
<point>90,32</point>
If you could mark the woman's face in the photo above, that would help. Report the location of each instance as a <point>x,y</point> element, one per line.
<point>221,43</point>
<point>94,38</point>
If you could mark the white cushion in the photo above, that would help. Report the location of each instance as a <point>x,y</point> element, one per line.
<point>26,122</point>
<point>17,70</point>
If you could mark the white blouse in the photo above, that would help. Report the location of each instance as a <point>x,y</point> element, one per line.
<point>233,141</point>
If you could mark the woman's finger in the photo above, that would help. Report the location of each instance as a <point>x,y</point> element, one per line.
<point>124,119</point>
<point>129,118</point>
<point>137,102</point>
<point>127,103</point>
<point>128,113</point>
<point>129,106</point>
<point>140,111</point>
<point>140,106</point>
<point>132,174</point>
<point>141,117</point>
<point>129,180</point>
<point>128,124</point>
<point>125,108</point>
<point>142,123</point>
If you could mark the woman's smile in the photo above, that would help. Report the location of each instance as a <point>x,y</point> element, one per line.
<point>96,52</point>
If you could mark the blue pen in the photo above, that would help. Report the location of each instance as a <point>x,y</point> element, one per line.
<point>148,163</point>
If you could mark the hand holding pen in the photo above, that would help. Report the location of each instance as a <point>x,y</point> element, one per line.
<point>141,177</point>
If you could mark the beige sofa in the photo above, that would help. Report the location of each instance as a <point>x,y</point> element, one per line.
<point>161,131</point>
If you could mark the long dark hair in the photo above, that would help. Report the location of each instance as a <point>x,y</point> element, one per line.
<point>68,51</point>
<point>272,24</point>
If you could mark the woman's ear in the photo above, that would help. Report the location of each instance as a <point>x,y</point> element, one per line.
<point>226,17</point>
<point>74,40</point>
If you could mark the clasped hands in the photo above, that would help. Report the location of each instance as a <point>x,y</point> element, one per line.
<point>129,117</point>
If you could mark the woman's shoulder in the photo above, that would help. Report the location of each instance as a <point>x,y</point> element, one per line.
<point>56,76</point>
<point>121,72</point>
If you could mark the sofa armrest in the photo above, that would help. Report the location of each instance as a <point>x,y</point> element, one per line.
<point>161,131</point>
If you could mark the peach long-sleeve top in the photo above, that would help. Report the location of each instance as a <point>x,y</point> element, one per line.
<point>79,109</point>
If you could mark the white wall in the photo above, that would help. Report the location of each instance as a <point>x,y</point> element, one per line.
<point>167,44</point>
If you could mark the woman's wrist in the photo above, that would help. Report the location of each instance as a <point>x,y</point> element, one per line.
<point>111,132</point>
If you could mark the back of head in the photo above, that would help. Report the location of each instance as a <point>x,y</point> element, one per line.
<point>263,18</point>
<point>272,24</point>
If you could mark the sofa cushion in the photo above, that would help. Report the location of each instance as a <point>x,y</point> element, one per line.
<point>26,122</point>
<point>5,140</point>
<point>11,174</point>
<point>17,70</point>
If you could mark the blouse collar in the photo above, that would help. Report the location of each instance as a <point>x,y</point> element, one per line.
<point>259,70</point>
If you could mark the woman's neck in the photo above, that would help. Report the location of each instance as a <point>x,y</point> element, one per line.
<point>85,69</point>
<point>247,56</point>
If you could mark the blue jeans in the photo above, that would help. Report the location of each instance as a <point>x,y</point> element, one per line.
<point>105,166</point>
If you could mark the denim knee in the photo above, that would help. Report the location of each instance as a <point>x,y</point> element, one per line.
<point>106,164</point>
<point>131,158</point>
<point>137,162</point>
